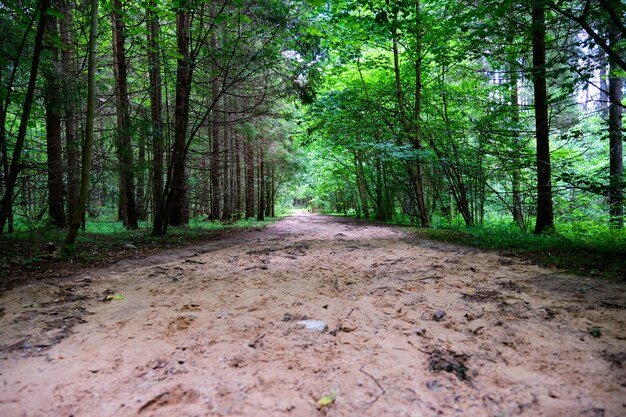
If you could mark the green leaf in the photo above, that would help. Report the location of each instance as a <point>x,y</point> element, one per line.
<point>116,297</point>
<point>55,13</point>
<point>595,331</point>
<point>327,400</point>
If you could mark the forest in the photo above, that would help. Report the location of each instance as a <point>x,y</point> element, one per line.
<point>441,113</point>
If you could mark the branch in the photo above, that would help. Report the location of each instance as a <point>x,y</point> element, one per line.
<point>582,21</point>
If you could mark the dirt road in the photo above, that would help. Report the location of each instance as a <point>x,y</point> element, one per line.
<point>414,328</point>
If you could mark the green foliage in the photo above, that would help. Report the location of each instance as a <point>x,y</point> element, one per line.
<point>586,248</point>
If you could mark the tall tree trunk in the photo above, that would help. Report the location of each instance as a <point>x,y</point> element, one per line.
<point>518,213</point>
<point>156,114</point>
<point>216,192</point>
<point>77,218</point>
<point>261,209</point>
<point>53,103</point>
<point>362,184</point>
<point>141,182</point>
<point>273,189</point>
<point>417,136</point>
<point>238,169</point>
<point>178,210</point>
<point>124,143</point>
<point>69,93</point>
<point>16,161</point>
<point>269,188</point>
<point>545,214</point>
<point>4,157</point>
<point>248,154</point>
<point>616,144</point>
<point>227,211</point>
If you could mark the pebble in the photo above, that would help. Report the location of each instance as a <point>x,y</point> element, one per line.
<point>439,315</point>
<point>314,325</point>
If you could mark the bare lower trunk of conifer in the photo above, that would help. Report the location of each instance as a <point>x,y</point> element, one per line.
<point>238,176</point>
<point>4,159</point>
<point>128,205</point>
<point>248,153</point>
<point>227,211</point>
<point>215,146</point>
<point>616,143</point>
<point>141,184</point>
<point>176,210</point>
<point>156,114</point>
<point>517,209</point>
<point>53,103</point>
<point>261,209</point>
<point>545,215</point>
<point>78,215</point>
<point>69,92</point>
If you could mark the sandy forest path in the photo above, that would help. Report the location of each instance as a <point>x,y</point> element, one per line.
<point>415,328</point>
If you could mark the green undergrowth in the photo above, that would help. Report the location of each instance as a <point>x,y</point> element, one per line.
<point>591,251</point>
<point>41,249</point>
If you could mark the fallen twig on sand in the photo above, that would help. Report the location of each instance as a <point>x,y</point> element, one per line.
<point>15,344</point>
<point>382,390</point>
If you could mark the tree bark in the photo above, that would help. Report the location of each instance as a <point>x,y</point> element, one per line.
<point>53,103</point>
<point>141,182</point>
<point>178,210</point>
<point>616,144</point>
<point>545,214</point>
<point>16,161</point>
<point>4,157</point>
<point>261,207</point>
<point>77,218</point>
<point>216,192</point>
<point>69,92</point>
<point>517,209</point>
<point>419,191</point>
<point>362,184</point>
<point>238,169</point>
<point>227,211</point>
<point>124,143</point>
<point>156,114</point>
<point>248,153</point>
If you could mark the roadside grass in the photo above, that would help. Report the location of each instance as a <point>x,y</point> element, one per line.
<point>40,249</point>
<point>577,248</point>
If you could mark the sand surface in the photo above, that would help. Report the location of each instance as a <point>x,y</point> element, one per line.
<point>414,328</point>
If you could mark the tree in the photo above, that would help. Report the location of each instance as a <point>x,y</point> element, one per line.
<point>616,143</point>
<point>16,161</point>
<point>54,114</point>
<point>127,203</point>
<point>545,214</point>
<point>156,112</point>
<point>77,216</point>
<point>69,108</point>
